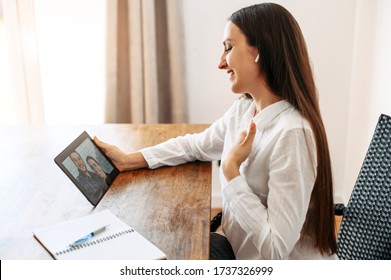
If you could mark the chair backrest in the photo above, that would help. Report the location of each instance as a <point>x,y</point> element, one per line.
<point>365,231</point>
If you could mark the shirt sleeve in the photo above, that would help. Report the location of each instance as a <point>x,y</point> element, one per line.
<point>275,228</point>
<point>204,146</point>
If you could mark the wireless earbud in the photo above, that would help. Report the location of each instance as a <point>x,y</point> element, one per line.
<point>256,59</point>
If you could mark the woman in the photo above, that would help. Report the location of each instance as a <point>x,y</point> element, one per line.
<point>97,168</point>
<point>276,171</point>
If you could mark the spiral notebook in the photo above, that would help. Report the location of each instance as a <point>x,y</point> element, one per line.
<point>117,242</point>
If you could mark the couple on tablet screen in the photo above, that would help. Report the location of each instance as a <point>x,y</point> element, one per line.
<point>94,183</point>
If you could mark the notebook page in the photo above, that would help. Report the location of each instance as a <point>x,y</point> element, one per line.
<point>118,241</point>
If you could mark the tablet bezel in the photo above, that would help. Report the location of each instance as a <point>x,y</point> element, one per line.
<point>59,160</point>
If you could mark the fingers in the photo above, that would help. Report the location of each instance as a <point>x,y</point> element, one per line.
<point>101,144</point>
<point>246,137</point>
<point>242,137</point>
<point>251,132</point>
<point>97,141</point>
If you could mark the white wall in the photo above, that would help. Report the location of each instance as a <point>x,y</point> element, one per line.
<point>348,45</point>
<point>381,74</point>
<point>360,124</point>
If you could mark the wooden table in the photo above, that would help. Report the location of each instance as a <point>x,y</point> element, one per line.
<point>170,206</point>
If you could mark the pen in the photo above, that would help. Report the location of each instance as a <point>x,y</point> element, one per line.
<point>88,236</point>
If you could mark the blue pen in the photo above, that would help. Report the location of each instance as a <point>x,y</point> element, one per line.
<point>88,236</point>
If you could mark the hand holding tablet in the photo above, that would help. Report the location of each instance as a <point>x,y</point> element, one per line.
<point>88,167</point>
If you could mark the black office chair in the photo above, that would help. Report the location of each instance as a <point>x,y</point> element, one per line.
<point>216,222</point>
<point>365,231</point>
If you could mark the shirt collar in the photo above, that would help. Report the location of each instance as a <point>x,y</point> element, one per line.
<point>264,117</point>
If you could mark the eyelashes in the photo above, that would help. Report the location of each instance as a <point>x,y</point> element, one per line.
<point>227,45</point>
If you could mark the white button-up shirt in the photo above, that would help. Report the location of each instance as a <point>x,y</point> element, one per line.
<point>264,208</point>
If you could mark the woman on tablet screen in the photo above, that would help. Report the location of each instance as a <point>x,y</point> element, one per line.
<point>276,171</point>
<point>97,168</point>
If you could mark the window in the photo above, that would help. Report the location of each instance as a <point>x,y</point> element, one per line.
<point>71,38</point>
<point>58,53</point>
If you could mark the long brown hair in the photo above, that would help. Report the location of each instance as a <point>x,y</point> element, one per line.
<point>286,66</point>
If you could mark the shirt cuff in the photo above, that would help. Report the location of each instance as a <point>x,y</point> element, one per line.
<point>234,189</point>
<point>150,158</point>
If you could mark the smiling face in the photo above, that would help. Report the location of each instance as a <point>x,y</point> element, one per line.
<point>96,168</point>
<point>238,59</point>
<point>78,161</point>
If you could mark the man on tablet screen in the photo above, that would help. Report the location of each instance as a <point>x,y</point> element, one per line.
<point>91,183</point>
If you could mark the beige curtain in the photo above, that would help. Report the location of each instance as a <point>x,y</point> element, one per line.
<point>145,79</point>
<point>19,19</point>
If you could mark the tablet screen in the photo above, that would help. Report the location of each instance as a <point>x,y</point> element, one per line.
<point>88,167</point>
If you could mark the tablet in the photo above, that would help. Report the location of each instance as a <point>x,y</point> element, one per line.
<point>88,167</point>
